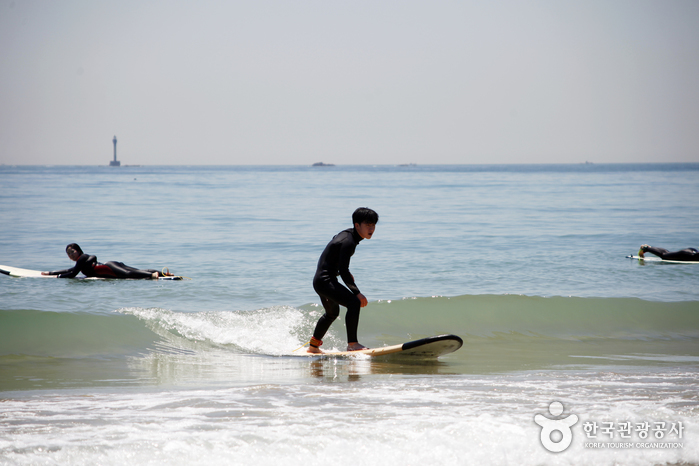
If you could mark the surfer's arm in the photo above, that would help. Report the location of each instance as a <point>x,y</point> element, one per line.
<point>67,273</point>
<point>349,281</point>
<point>353,288</point>
<point>346,252</point>
<point>64,273</point>
<point>82,261</point>
<point>348,278</point>
<point>660,252</point>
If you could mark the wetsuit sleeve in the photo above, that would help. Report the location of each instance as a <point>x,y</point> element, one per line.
<point>346,252</point>
<point>82,261</point>
<point>66,273</point>
<point>660,252</point>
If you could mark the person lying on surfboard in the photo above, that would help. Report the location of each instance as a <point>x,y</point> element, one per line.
<point>89,266</point>
<point>687,254</point>
<point>335,261</point>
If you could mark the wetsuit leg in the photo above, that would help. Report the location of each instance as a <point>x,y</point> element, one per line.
<point>332,296</point>
<point>332,311</point>
<point>122,270</point>
<point>688,255</point>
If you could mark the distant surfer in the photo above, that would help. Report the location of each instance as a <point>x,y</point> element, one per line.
<point>89,266</point>
<point>335,261</point>
<point>687,255</point>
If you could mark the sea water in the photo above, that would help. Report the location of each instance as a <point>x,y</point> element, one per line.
<point>526,263</point>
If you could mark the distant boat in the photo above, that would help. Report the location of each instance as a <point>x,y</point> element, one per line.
<point>321,164</point>
<point>408,165</point>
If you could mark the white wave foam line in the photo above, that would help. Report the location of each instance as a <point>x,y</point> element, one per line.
<point>288,424</point>
<point>266,331</point>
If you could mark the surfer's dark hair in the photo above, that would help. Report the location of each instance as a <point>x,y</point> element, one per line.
<point>75,247</point>
<point>365,215</point>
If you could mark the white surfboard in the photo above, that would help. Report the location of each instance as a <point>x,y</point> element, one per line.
<point>425,348</point>
<point>658,259</point>
<point>26,273</point>
<point>17,272</point>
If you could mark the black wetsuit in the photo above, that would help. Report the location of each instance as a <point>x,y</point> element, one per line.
<point>335,261</point>
<point>89,266</point>
<point>687,255</point>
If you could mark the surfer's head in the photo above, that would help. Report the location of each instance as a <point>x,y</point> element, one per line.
<point>73,250</point>
<point>74,247</point>
<point>365,215</point>
<point>644,248</point>
<point>365,220</point>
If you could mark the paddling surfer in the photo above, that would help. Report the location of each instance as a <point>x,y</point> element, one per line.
<point>687,254</point>
<point>335,261</point>
<point>89,266</point>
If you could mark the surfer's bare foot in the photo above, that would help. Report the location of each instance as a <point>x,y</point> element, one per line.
<point>355,346</point>
<point>314,350</point>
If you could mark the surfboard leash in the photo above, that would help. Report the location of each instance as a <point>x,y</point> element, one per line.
<point>305,344</point>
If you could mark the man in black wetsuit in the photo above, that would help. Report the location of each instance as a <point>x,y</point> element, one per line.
<point>89,266</point>
<point>686,255</point>
<point>335,261</point>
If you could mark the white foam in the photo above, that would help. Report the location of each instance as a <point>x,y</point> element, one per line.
<point>407,420</point>
<point>266,331</point>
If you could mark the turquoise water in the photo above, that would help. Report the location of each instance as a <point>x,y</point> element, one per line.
<point>526,263</point>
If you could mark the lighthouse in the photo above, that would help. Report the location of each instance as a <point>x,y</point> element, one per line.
<point>115,162</point>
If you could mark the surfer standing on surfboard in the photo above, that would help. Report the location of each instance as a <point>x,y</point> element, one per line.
<point>688,254</point>
<point>335,261</point>
<point>89,266</point>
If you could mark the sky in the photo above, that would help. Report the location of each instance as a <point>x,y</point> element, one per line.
<point>348,82</point>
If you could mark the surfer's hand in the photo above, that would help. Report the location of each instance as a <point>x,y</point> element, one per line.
<point>45,273</point>
<point>362,300</point>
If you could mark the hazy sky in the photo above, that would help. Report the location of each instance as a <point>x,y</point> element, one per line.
<point>348,82</point>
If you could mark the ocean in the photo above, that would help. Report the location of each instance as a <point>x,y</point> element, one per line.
<point>573,353</point>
